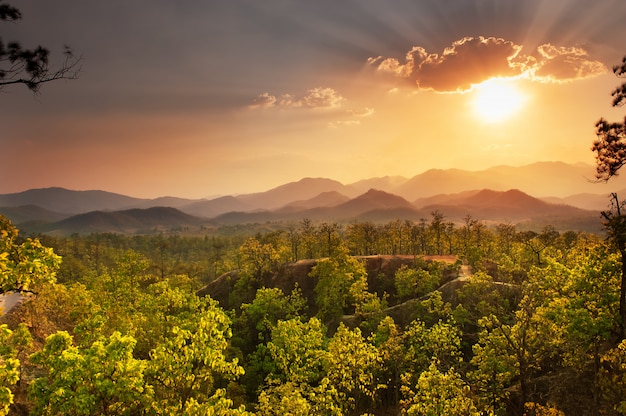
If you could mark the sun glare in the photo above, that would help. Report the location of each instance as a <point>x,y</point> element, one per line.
<point>497,100</point>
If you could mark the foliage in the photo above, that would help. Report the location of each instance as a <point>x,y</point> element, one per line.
<point>535,409</point>
<point>336,276</point>
<point>353,366</point>
<point>439,393</point>
<point>11,345</point>
<point>24,264</point>
<point>186,369</point>
<point>268,307</point>
<point>610,145</point>
<point>613,376</point>
<point>506,337</point>
<point>101,379</point>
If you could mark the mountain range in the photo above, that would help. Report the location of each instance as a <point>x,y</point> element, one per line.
<point>563,194</point>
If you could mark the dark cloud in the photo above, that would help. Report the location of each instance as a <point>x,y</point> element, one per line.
<point>472,60</point>
<point>468,61</point>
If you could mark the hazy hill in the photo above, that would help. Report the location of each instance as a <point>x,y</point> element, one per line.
<point>164,201</point>
<point>512,199</point>
<point>515,206</point>
<point>386,183</point>
<point>373,200</point>
<point>304,189</point>
<point>325,199</point>
<point>30,213</point>
<point>438,181</point>
<point>130,221</point>
<point>378,204</point>
<point>598,202</point>
<point>444,199</point>
<point>374,205</point>
<point>214,207</point>
<point>540,179</point>
<point>455,192</point>
<point>70,202</point>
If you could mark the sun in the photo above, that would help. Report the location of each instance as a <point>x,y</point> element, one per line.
<point>497,99</point>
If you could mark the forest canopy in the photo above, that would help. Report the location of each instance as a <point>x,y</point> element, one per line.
<point>406,318</point>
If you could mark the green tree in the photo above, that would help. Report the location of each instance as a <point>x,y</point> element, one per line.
<point>308,233</point>
<point>353,368</point>
<point>24,264</point>
<point>102,379</point>
<point>12,344</point>
<point>441,341</point>
<point>516,348</point>
<point>437,229</point>
<point>59,307</point>
<point>336,276</point>
<point>493,375</point>
<point>299,351</point>
<point>268,307</point>
<point>300,384</point>
<point>30,67</point>
<point>362,238</point>
<point>329,237</point>
<point>190,368</point>
<point>389,340</point>
<point>439,393</point>
<point>413,282</point>
<point>253,329</point>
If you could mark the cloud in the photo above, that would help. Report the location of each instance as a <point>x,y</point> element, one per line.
<point>559,64</point>
<point>315,98</point>
<point>472,60</point>
<point>264,100</point>
<point>355,120</point>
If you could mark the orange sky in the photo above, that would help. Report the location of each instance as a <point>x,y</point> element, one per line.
<point>194,99</point>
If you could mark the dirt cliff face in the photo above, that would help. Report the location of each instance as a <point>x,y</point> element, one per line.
<point>380,271</point>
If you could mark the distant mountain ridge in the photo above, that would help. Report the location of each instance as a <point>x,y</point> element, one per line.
<point>66,201</point>
<point>487,195</point>
<point>374,205</point>
<point>541,179</point>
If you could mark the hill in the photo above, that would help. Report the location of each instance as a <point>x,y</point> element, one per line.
<point>514,206</point>
<point>487,195</point>
<point>132,221</point>
<point>214,207</point>
<point>325,199</point>
<point>542,179</point>
<point>374,204</point>
<point>70,202</point>
<point>303,189</point>
<point>30,213</point>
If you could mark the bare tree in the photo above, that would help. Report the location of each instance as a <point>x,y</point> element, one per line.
<point>31,67</point>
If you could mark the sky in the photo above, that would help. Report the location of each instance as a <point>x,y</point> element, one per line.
<point>197,98</point>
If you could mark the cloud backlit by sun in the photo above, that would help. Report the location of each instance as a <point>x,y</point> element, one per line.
<point>472,60</point>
